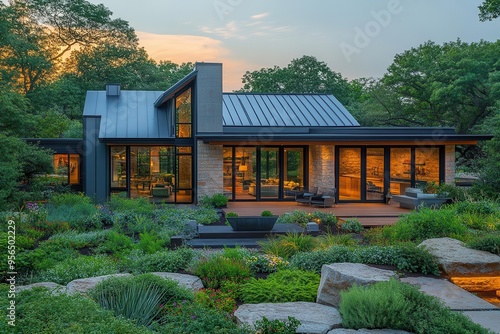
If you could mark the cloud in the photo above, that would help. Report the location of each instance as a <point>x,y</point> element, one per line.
<point>259,16</point>
<point>191,48</point>
<point>229,31</point>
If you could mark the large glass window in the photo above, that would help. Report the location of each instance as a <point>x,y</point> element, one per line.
<point>293,171</point>
<point>350,173</point>
<point>426,165</point>
<point>184,180</point>
<point>183,115</point>
<point>67,168</point>
<point>374,174</point>
<point>227,172</point>
<point>269,172</point>
<point>401,169</point>
<point>245,178</point>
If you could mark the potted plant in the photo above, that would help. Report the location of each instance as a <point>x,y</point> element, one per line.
<point>251,223</point>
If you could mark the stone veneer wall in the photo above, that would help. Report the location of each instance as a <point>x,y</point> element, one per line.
<point>322,166</point>
<point>449,164</point>
<point>209,174</point>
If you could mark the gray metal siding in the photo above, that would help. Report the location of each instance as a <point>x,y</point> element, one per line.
<point>284,110</point>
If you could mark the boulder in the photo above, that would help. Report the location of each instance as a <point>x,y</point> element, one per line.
<point>366,331</point>
<point>189,282</point>
<point>341,276</point>
<point>82,285</point>
<point>314,318</point>
<point>54,287</point>
<point>455,259</point>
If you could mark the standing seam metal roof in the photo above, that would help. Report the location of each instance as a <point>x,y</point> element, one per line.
<point>248,109</point>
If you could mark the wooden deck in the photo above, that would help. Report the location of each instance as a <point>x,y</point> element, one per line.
<point>369,214</point>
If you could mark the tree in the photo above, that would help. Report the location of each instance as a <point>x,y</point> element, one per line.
<point>489,10</point>
<point>302,75</point>
<point>14,120</point>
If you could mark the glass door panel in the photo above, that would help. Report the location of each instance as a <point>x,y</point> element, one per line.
<point>119,167</point>
<point>400,170</point>
<point>269,173</point>
<point>350,174</point>
<point>294,172</point>
<point>426,166</point>
<point>374,174</point>
<point>245,173</point>
<point>227,172</point>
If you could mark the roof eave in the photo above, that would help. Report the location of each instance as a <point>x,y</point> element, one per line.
<point>181,84</point>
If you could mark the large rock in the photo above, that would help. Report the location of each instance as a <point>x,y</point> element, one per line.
<point>341,276</point>
<point>314,318</point>
<point>82,285</point>
<point>53,287</point>
<point>366,331</point>
<point>455,259</point>
<point>190,282</point>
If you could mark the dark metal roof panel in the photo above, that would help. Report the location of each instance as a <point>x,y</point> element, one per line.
<point>244,109</point>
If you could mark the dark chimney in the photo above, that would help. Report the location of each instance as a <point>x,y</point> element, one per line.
<point>112,89</point>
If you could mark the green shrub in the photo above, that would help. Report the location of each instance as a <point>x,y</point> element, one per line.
<point>266,213</point>
<point>266,263</point>
<point>482,208</point>
<point>78,240</point>
<point>426,224</point>
<point>38,311</point>
<point>219,300</point>
<point>266,326</point>
<point>231,215</point>
<point>313,261</point>
<point>489,243</point>
<point>140,205</point>
<point>45,256</point>
<point>287,245</point>
<point>326,241</point>
<point>352,225</point>
<point>282,286</point>
<point>115,243</point>
<point>214,201</point>
<point>324,218</point>
<point>75,209</point>
<point>189,318</point>
<point>457,194</point>
<point>236,253</point>
<point>150,242</point>
<point>174,218</point>
<point>401,306</point>
<point>165,261</point>
<point>295,217</point>
<point>75,268</point>
<point>218,269</point>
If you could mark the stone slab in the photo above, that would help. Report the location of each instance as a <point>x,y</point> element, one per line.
<point>487,319</point>
<point>189,282</point>
<point>453,296</point>
<point>338,277</point>
<point>82,285</point>
<point>314,318</point>
<point>455,259</point>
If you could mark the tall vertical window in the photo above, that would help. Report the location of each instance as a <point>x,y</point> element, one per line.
<point>184,179</point>
<point>67,167</point>
<point>183,115</point>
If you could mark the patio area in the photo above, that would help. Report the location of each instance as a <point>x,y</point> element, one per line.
<point>369,214</point>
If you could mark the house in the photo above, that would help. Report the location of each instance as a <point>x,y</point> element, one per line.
<point>192,140</point>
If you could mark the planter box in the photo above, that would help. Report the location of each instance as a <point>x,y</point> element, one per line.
<point>252,223</point>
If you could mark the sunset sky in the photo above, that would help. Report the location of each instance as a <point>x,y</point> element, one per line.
<point>358,38</point>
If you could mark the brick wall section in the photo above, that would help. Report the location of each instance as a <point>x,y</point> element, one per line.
<point>449,164</point>
<point>209,172</point>
<point>322,166</point>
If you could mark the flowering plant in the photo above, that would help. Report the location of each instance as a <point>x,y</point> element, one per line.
<point>266,263</point>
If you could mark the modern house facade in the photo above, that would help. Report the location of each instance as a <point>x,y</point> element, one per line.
<point>193,140</point>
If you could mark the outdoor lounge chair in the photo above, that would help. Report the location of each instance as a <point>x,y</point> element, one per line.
<point>327,199</point>
<point>305,197</point>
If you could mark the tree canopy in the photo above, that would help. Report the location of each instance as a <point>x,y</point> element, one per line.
<point>489,10</point>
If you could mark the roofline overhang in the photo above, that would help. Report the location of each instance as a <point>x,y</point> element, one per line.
<point>178,86</point>
<point>137,141</point>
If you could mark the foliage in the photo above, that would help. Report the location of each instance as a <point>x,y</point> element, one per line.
<point>265,263</point>
<point>39,311</point>
<point>352,225</point>
<point>150,242</point>
<point>489,182</point>
<point>45,256</point>
<point>302,75</point>
<point>406,257</point>
<point>188,318</point>
<point>218,269</point>
<point>328,240</point>
<point>79,240</point>
<point>219,300</point>
<point>426,224</point>
<point>489,243</point>
<point>79,267</point>
<point>174,218</point>
<point>266,213</point>
<point>140,206</point>
<point>489,10</point>
<point>302,218</point>
<point>287,245</point>
<point>164,261</point>
<point>266,326</point>
<point>115,243</point>
<point>214,201</point>
<point>75,209</point>
<point>457,194</point>
<point>282,286</point>
<point>400,306</point>
<point>231,215</point>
